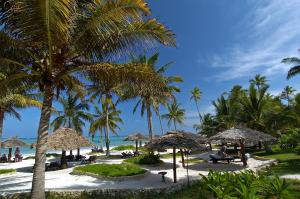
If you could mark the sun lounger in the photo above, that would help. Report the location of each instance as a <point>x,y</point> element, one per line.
<point>215,158</point>
<point>136,153</point>
<point>126,155</point>
<point>52,166</point>
<point>79,157</point>
<point>70,157</point>
<point>89,160</point>
<point>3,159</point>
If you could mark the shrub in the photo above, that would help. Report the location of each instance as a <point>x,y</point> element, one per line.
<point>109,170</point>
<point>290,139</point>
<point>124,147</point>
<point>148,158</point>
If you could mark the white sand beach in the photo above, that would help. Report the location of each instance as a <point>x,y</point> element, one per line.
<point>63,180</point>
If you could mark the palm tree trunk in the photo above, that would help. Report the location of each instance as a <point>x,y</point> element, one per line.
<point>198,111</point>
<point>101,139</point>
<point>149,118</point>
<point>181,152</point>
<point>107,129</point>
<point>78,151</point>
<point>38,181</point>
<point>160,122</point>
<point>63,160</point>
<point>1,127</point>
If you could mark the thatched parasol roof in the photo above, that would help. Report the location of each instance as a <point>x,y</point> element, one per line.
<point>178,139</point>
<point>14,142</point>
<point>249,135</point>
<point>66,139</point>
<point>135,137</point>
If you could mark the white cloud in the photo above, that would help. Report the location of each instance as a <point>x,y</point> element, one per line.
<point>273,34</point>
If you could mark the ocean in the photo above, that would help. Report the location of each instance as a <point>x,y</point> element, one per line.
<point>27,151</point>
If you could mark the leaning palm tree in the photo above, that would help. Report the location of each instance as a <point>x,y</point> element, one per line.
<point>149,99</point>
<point>58,39</point>
<point>175,114</point>
<point>295,70</point>
<point>259,81</point>
<point>287,94</point>
<point>196,96</point>
<point>99,123</point>
<point>74,114</point>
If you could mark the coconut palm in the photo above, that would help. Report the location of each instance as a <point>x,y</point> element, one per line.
<point>62,39</point>
<point>74,114</point>
<point>175,114</point>
<point>196,96</point>
<point>99,123</point>
<point>295,70</point>
<point>149,99</point>
<point>287,94</point>
<point>259,81</point>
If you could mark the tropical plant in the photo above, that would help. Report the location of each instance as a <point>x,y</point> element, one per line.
<point>100,121</point>
<point>296,66</point>
<point>259,81</point>
<point>57,40</point>
<point>209,125</point>
<point>287,94</point>
<point>149,99</point>
<point>196,96</point>
<point>74,114</point>
<point>175,114</point>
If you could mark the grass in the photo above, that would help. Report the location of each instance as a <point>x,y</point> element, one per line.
<point>169,155</point>
<point>149,159</point>
<point>123,148</point>
<point>5,171</point>
<point>110,170</point>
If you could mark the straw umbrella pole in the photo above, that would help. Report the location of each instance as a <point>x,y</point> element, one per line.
<point>135,137</point>
<point>176,140</point>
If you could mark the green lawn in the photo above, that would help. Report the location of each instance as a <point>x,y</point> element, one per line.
<point>123,148</point>
<point>149,159</point>
<point>169,155</point>
<point>5,171</point>
<point>110,170</point>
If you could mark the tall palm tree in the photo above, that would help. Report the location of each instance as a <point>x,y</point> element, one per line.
<point>74,114</point>
<point>154,98</point>
<point>259,81</point>
<point>196,96</point>
<point>62,39</point>
<point>99,123</point>
<point>295,70</point>
<point>175,114</point>
<point>287,94</point>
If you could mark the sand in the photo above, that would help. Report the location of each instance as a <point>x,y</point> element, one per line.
<point>63,180</point>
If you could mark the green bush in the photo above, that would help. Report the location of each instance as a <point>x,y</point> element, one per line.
<point>290,139</point>
<point>109,170</point>
<point>244,185</point>
<point>124,147</point>
<point>148,158</point>
<point>4,171</point>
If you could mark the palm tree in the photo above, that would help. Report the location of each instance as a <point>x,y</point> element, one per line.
<point>295,69</point>
<point>74,114</point>
<point>154,98</point>
<point>62,39</point>
<point>99,123</point>
<point>175,114</point>
<point>259,81</point>
<point>196,96</point>
<point>287,94</point>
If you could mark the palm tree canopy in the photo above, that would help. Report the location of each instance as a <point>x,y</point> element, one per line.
<point>196,94</point>
<point>295,61</point>
<point>259,81</point>
<point>175,114</point>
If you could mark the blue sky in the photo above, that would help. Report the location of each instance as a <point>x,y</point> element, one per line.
<point>220,43</point>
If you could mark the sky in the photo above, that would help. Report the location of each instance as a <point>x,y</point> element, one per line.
<point>220,43</point>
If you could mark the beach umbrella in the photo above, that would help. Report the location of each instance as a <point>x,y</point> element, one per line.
<point>11,143</point>
<point>66,139</point>
<point>243,136</point>
<point>176,140</point>
<point>135,137</point>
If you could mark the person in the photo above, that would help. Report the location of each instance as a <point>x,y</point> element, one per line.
<point>18,156</point>
<point>4,158</point>
<point>222,151</point>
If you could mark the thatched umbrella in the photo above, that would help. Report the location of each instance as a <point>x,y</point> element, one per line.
<point>135,137</point>
<point>66,139</point>
<point>244,136</point>
<point>176,140</point>
<point>13,142</point>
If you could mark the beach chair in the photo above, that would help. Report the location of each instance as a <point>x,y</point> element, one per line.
<point>89,160</point>
<point>136,153</point>
<point>215,158</point>
<point>79,157</point>
<point>70,157</point>
<point>52,166</point>
<point>3,158</point>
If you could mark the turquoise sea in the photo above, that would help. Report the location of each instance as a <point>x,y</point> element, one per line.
<point>114,141</point>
